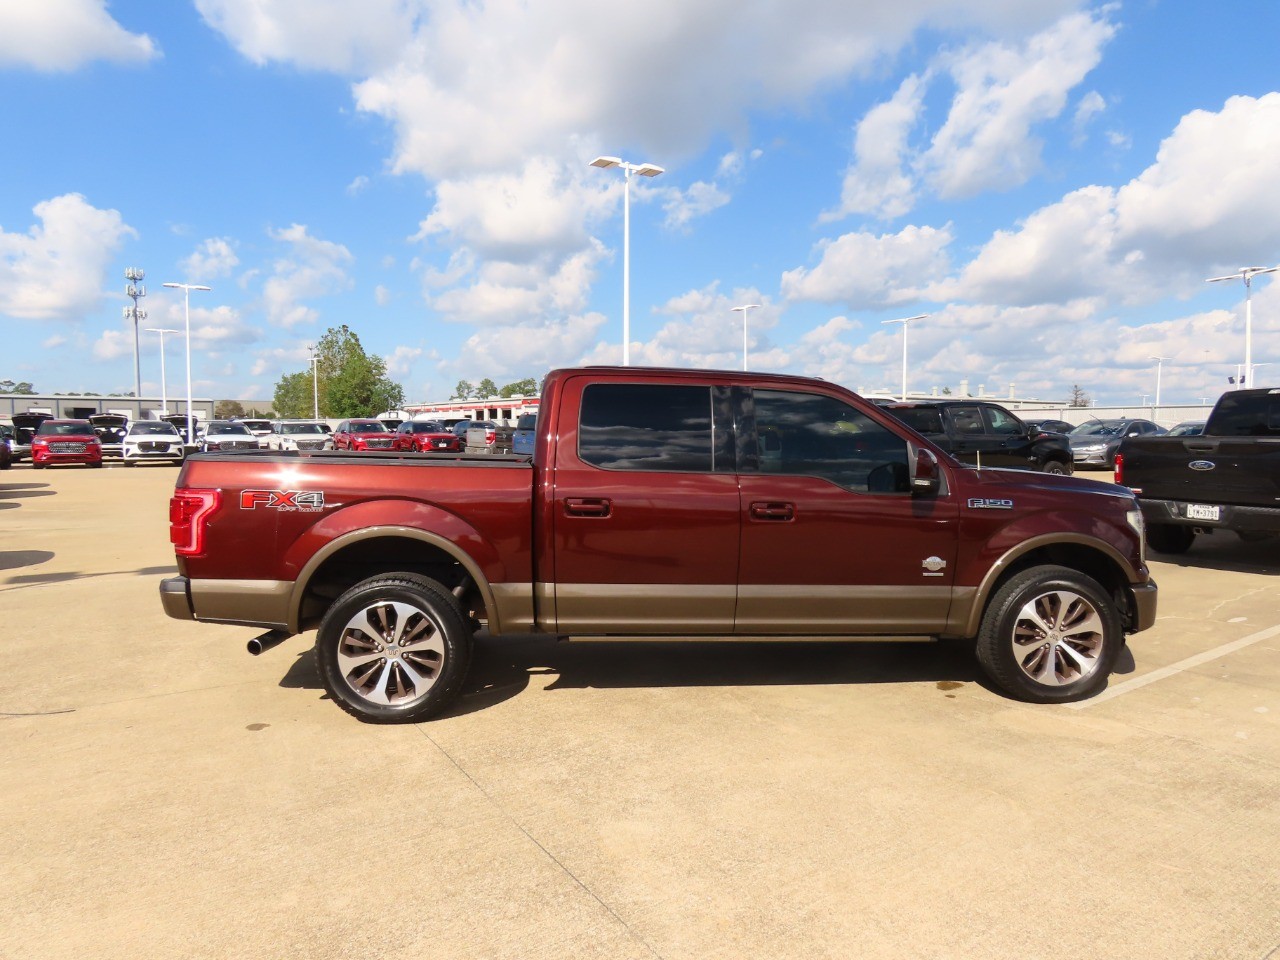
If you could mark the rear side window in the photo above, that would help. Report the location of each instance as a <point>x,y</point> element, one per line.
<point>920,419</point>
<point>646,426</point>
<point>1250,415</point>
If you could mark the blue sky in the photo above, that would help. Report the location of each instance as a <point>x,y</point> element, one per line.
<point>1049,181</point>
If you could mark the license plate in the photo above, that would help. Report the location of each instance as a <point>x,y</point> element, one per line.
<point>1200,511</point>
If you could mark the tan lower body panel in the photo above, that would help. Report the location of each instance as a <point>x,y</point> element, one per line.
<point>657,610</point>
<point>258,602</point>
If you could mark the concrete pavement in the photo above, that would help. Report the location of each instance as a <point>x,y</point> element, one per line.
<point>164,794</point>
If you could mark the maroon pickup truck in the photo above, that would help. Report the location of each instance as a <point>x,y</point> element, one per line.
<point>661,504</point>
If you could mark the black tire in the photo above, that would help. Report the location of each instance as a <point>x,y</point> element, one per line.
<point>414,680</point>
<point>95,465</point>
<point>1170,537</point>
<point>128,463</point>
<point>1055,466</point>
<point>1072,661</point>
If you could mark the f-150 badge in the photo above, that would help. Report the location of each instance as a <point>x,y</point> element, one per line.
<point>301,501</point>
<point>985,503</point>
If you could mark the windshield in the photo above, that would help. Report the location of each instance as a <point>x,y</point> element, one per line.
<point>1100,428</point>
<point>153,429</point>
<point>232,428</point>
<point>292,429</point>
<point>76,428</point>
<point>368,426</point>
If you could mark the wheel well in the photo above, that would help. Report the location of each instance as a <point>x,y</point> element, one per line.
<point>1092,563</point>
<point>382,555</point>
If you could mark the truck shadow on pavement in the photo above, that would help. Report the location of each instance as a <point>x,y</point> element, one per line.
<point>1225,551</point>
<point>11,492</point>
<point>66,575</point>
<point>503,669</point>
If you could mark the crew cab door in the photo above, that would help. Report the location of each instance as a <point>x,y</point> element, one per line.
<point>833,541</point>
<point>643,516</point>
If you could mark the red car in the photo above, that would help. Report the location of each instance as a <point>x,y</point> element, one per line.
<point>366,434</point>
<point>425,436</point>
<point>65,441</point>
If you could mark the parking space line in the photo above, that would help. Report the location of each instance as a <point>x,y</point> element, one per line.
<point>1129,686</point>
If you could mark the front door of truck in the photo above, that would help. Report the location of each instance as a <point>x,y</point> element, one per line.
<point>833,541</point>
<point>643,516</point>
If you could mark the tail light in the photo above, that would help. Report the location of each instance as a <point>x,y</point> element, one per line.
<point>1119,477</point>
<point>189,512</point>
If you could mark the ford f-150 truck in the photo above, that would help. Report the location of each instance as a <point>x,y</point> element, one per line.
<point>660,504</point>
<point>1228,478</point>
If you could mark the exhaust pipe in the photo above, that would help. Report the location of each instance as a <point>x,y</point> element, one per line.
<point>272,638</point>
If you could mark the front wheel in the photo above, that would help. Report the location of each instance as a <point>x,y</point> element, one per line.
<point>394,649</point>
<point>1050,635</point>
<point>1055,466</point>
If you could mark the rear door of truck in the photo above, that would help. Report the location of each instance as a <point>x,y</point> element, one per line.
<point>644,511</point>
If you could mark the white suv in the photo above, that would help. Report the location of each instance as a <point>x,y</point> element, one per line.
<point>297,435</point>
<point>151,441</point>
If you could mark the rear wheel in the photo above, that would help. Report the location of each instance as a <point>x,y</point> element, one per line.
<point>1050,635</point>
<point>1170,537</point>
<point>1055,466</point>
<point>394,649</point>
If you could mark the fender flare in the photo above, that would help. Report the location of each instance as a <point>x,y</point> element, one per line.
<point>983,593</point>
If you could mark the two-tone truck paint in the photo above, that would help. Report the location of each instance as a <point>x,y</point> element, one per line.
<point>661,504</point>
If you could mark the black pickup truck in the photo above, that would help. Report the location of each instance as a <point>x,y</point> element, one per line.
<point>1228,478</point>
<point>984,434</point>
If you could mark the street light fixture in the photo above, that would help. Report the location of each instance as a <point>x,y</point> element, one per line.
<point>645,170</point>
<point>186,289</point>
<point>1159,368</point>
<point>744,308</point>
<point>164,390</point>
<point>905,321</point>
<point>1246,274</point>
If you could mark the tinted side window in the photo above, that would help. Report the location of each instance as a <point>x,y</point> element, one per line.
<point>967,419</point>
<point>643,426</point>
<point>920,419</point>
<point>1251,415</point>
<point>1003,423</point>
<point>813,435</point>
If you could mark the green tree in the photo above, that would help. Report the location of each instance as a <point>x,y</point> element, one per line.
<point>350,382</point>
<point>20,386</point>
<point>226,409</point>
<point>527,387</point>
<point>294,399</point>
<point>486,389</point>
<point>463,391</point>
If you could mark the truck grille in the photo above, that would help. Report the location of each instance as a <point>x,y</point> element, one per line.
<point>66,446</point>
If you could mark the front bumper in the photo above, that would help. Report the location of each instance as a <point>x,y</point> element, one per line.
<point>1143,606</point>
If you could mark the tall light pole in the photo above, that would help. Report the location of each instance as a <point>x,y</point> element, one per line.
<point>1159,368</point>
<point>315,380</point>
<point>186,289</point>
<point>905,321</point>
<point>645,170</point>
<point>164,390</point>
<point>744,308</point>
<point>1246,274</point>
<point>135,290</point>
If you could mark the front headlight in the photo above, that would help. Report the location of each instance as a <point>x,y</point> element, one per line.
<point>1134,517</point>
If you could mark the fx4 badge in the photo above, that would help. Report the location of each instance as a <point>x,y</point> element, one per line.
<point>301,501</point>
<point>985,503</point>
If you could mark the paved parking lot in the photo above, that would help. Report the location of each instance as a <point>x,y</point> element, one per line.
<point>164,794</point>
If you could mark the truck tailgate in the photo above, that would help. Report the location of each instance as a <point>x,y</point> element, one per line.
<point>1244,471</point>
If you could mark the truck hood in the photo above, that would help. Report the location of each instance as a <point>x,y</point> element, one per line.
<point>997,478</point>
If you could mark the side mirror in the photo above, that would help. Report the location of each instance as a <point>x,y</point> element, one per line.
<point>925,473</point>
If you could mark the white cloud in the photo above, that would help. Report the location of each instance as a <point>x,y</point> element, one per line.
<point>215,257</point>
<point>315,34</point>
<point>986,142</point>
<point>54,342</point>
<point>357,186</point>
<point>381,295</point>
<point>313,268</point>
<point>1196,210</point>
<point>400,362</point>
<point>526,349</point>
<point>1090,105</point>
<point>867,271</point>
<point>876,182</point>
<point>57,269</point>
<point>699,199</point>
<point>54,35</point>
